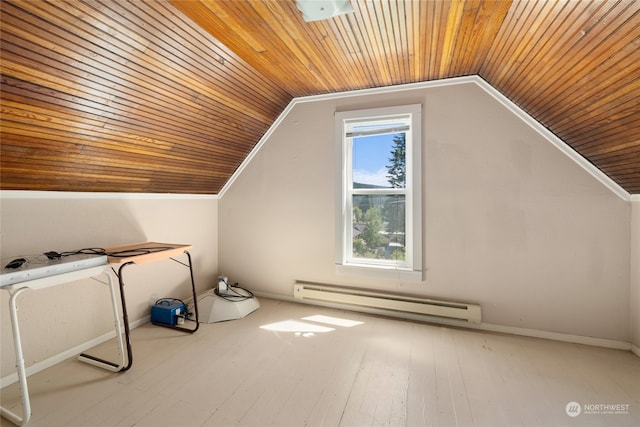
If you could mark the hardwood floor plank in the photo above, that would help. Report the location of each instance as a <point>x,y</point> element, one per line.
<point>380,372</point>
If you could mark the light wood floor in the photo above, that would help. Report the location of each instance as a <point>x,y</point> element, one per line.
<point>381,372</point>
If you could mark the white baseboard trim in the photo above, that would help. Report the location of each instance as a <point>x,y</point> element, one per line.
<point>488,327</point>
<point>47,363</point>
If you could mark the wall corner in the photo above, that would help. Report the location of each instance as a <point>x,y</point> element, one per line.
<point>635,275</point>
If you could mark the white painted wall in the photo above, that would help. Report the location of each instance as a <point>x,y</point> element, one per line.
<point>635,276</point>
<point>56,319</point>
<point>510,222</point>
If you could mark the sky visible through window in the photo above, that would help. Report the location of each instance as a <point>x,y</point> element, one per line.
<point>370,159</point>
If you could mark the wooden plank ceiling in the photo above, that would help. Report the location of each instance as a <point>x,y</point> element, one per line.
<point>171,96</point>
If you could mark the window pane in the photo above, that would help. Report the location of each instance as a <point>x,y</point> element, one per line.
<point>379,227</point>
<point>379,161</point>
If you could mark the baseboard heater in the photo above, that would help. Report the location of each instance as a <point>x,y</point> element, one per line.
<point>397,304</point>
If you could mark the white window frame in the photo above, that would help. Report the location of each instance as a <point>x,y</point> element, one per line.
<point>411,268</point>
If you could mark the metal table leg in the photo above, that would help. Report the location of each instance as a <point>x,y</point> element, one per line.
<point>22,375</point>
<point>125,316</point>
<point>101,363</point>
<point>125,319</point>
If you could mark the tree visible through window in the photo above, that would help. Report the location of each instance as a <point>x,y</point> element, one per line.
<point>398,163</point>
<point>379,218</point>
<point>378,187</point>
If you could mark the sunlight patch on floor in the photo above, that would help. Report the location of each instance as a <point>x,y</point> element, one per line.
<point>336,321</point>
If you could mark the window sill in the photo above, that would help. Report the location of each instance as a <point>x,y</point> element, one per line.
<point>379,272</point>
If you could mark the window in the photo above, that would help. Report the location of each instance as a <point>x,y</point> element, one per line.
<point>379,207</point>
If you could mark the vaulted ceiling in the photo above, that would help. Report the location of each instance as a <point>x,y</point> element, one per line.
<point>171,96</point>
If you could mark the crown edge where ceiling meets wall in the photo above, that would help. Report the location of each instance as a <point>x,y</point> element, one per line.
<point>497,95</point>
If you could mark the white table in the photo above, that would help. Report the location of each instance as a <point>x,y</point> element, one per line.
<point>47,282</point>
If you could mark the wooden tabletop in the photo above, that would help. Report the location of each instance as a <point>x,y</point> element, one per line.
<point>140,253</point>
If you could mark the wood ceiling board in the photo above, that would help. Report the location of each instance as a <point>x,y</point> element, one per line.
<point>135,81</point>
<point>203,80</point>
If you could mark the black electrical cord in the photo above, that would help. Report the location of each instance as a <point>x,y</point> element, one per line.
<point>84,251</point>
<point>234,295</point>
<point>125,253</point>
